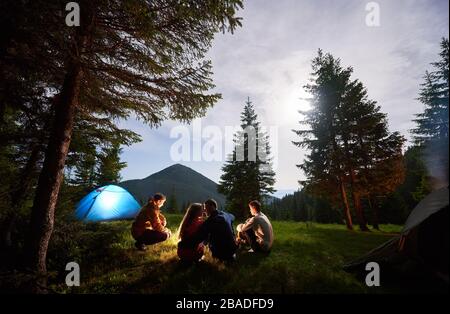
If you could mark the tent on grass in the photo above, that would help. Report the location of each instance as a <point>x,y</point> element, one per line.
<point>422,244</point>
<point>110,202</point>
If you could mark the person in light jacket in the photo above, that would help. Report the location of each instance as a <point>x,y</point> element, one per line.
<point>257,231</point>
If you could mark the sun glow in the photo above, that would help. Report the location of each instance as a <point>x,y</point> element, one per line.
<point>289,107</point>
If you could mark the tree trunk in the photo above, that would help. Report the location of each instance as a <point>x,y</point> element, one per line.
<point>52,173</point>
<point>42,213</point>
<point>374,208</point>
<point>7,227</point>
<point>19,195</point>
<point>357,202</point>
<point>360,213</point>
<point>347,215</point>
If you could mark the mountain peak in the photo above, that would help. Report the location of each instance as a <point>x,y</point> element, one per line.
<point>175,169</point>
<point>185,183</point>
<point>176,166</point>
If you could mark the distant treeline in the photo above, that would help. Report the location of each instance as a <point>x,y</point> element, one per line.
<point>393,208</point>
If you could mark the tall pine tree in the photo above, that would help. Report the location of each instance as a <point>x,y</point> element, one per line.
<point>172,203</point>
<point>373,154</point>
<point>350,145</point>
<point>324,165</point>
<point>432,128</point>
<point>127,57</point>
<point>247,174</point>
<point>110,165</point>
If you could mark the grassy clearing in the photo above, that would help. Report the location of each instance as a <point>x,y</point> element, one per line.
<point>306,258</point>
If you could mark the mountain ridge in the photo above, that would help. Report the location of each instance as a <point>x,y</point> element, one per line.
<point>186,184</point>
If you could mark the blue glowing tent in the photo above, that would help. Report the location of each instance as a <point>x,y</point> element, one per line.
<point>110,202</point>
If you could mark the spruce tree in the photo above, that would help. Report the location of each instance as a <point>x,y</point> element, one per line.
<point>247,174</point>
<point>172,203</point>
<point>324,165</point>
<point>348,138</point>
<point>110,165</point>
<point>373,154</point>
<point>145,58</point>
<point>85,173</point>
<point>432,128</point>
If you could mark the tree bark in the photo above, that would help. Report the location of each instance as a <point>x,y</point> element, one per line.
<point>347,215</point>
<point>52,173</point>
<point>42,213</point>
<point>18,196</point>
<point>357,203</point>
<point>374,208</point>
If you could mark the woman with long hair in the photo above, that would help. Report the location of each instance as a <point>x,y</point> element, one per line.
<point>190,224</point>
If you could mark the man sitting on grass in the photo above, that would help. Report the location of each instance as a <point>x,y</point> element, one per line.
<point>256,231</point>
<point>149,227</point>
<point>217,231</point>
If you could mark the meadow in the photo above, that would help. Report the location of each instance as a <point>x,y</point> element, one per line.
<point>306,258</point>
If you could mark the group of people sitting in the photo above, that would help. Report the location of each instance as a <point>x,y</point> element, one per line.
<point>204,225</point>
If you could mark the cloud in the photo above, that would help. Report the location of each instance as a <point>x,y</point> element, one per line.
<point>268,60</point>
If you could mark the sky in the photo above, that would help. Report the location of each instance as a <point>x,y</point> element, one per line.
<point>269,60</point>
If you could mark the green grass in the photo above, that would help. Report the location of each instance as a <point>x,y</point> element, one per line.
<point>304,259</point>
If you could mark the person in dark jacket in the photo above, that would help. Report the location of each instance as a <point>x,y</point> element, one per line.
<point>217,231</point>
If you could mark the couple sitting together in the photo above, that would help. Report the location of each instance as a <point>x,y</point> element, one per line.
<point>216,231</point>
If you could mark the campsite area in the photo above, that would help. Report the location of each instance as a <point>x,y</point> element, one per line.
<point>136,135</point>
<point>306,258</point>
